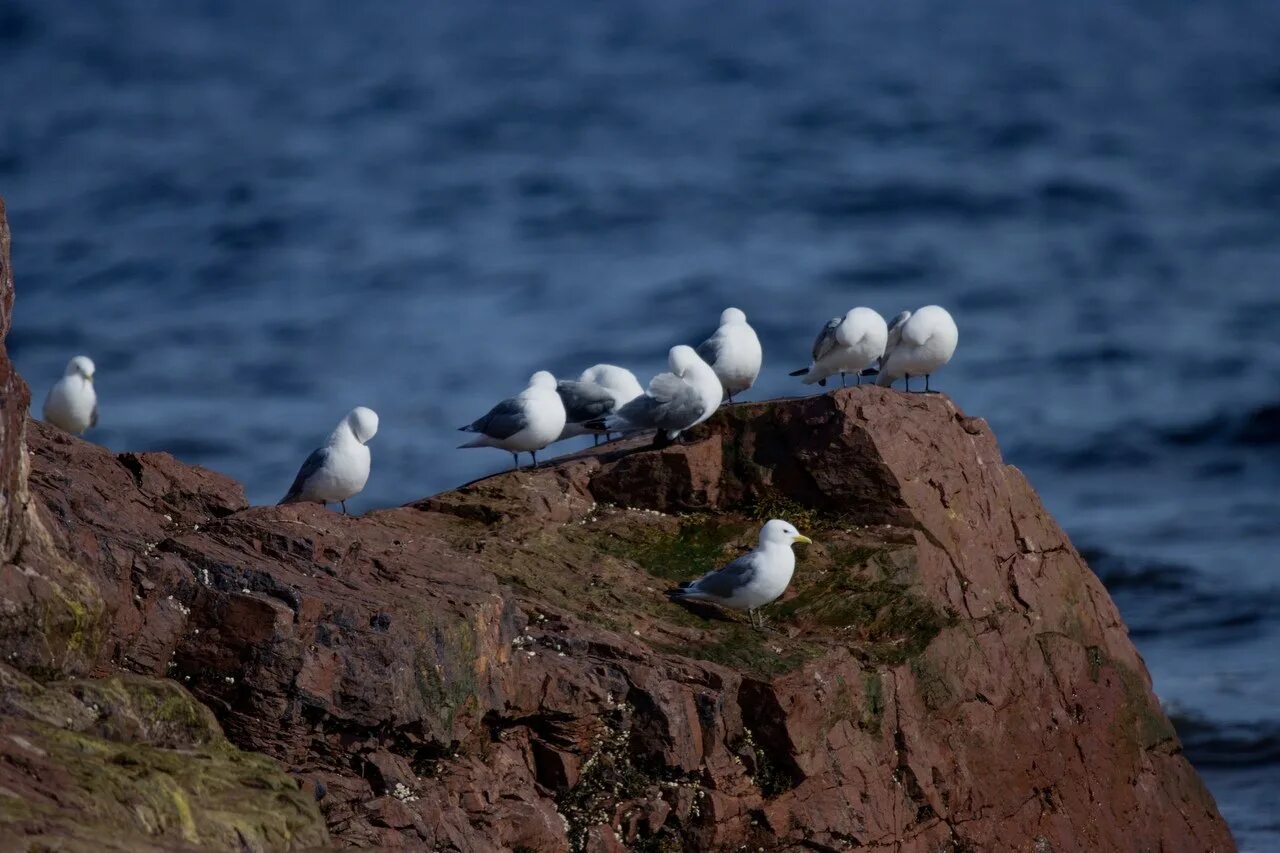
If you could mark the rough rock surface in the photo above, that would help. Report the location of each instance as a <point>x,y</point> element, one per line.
<point>495,668</point>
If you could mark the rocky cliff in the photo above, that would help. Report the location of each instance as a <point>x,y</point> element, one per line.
<point>495,668</point>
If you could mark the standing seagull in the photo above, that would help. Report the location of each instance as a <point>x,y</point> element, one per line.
<point>526,422</point>
<point>733,352</point>
<point>599,391</point>
<point>675,401</point>
<point>340,469</point>
<point>846,345</point>
<point>753,580</point>
<point>919,344</point>
<point>72,404</point>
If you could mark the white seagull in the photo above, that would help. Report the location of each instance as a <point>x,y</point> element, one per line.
<point>919,344</point>
<point>847,344</point>
<point>753,580</point>
<point>72,404</point>
<point>734,352</point>
<point>675,401</point>
<point>526,422</point>
<point>599,391</point>
<point>340,469</point>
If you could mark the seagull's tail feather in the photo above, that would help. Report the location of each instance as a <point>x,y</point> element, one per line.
<point>482,441</point>
<point>870,371</point>
<point>801,372</point>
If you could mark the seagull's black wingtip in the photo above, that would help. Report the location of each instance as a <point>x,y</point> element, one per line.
<point>870,371</point>
<point>801,372</point>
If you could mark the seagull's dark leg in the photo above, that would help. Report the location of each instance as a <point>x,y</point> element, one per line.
<point>534,454</point>
<point>926,383</point>
<point>515,461</point>
<point>595,440</point>
<point>842,385</point>
<point>908,381</point>
<point>344,507</point>
<point>859,377</point>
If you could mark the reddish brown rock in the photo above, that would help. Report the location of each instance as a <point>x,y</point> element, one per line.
<point>496,668</point>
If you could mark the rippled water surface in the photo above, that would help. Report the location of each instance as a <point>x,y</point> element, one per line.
<point>257,215</point>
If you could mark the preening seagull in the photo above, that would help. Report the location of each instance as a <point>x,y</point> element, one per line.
<point>599,391</point>
<point>526,422</point>
<point>846,344</point>
<point>734,352</point>
<point>340,468</point>
<point>675,401</point>
<point>919,343</point>
<point>72,404</point>
<point>753,580</point>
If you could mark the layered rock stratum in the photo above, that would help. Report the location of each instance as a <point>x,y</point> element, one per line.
<point>496,668</point>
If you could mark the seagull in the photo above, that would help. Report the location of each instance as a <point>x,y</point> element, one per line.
<point>733,352</point>
<point>526,422</point>
<point>753,580</point>
<point>72,404</point>
<point>675,401</point>
<point>919,343</point>
<point>340,469</point>
<point>846,345</point>
<point>599,391</point>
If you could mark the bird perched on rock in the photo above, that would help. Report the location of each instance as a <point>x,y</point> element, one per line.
<point>753,580</point>
<point>919,343</point>
<point>525,423</point>
<point>734,352</point>
<point>72,404</point>
<point>340,468</point>
<point>847,344</point>
<point>675,401</point>
<point>599,391</point>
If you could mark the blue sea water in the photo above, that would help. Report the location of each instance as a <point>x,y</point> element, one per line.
<point>254,216</point>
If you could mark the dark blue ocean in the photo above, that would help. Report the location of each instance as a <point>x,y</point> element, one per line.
<point>255,216</point>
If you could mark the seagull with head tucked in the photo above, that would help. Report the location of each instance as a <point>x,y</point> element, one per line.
<point>753,580</point>
<point>72,404</point>
<point>919,343</point>
<point>598,392</point>
<point>525,423</point>
<point>338,470</point>
<point>685,397</point>
<point>734,352</point>
<point>846,344</point>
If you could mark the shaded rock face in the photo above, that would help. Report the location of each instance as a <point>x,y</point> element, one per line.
<point>495,668</point>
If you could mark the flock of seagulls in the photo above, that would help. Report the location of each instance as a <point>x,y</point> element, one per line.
<point>607,399</point>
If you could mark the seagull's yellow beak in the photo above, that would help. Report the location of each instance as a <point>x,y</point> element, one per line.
<point>800,537</point>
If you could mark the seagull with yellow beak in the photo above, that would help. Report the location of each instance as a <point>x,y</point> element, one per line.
<point>753,580</point>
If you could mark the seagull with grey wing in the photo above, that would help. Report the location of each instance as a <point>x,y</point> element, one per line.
<point>598,392</point>
<point>920,342</point>
<point>525,423</point>
<point>753,580</point>
<point>338,470</point>
<point>685,397</point>
<point>734,352</point>
<point>846,345</point>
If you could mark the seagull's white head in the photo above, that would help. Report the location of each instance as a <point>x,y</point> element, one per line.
<point>680,358</point>
<point>779,532</point>
<point>543,379</point>
<point>81,366</point>
<point>732,315</point>
<point>363,423</point>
